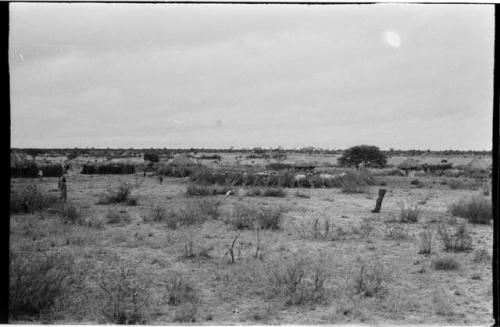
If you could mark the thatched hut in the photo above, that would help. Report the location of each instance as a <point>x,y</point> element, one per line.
<point>476,166</point>
<point>410,164</point>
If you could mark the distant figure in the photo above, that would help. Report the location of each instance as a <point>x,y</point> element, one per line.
<point>40,173</point>
<point>63,189</point>
<point>59,183</point>
<point>144,173</point>
<point>25,205</point>
<point>161,180</point>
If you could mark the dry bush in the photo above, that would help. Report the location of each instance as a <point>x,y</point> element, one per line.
<point>132,201</point>
<point>352,184</point>
<point>276,192</point>
<point>188,214</point>
<point>458,240</point>
<point>270,217</point>
<point>302,195</point>
<point>456,184</point>
<point>243,215</point>
<point>366,227</point>
<point>71,213</point>
<point>441,305</point>
<point>425,246</point>
<point>180,290</point>
<point>477,210</point>
<point>394,231</point>
<point>445,263</point>
<point>204,190</point>
<point>120,195</point>
<point>38,281</point>
<point>371,279</point>
<point>417,183</point>
<point>114,216</point>
<point>30,199</point>
<point>481,255</point>
<point>298,281</point>
<point>157,214</point>
<point>124,295</point>
<point>210,207</point>
<point>409,212</point>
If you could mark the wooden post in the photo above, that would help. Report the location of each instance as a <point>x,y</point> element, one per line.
<point>378,205</point>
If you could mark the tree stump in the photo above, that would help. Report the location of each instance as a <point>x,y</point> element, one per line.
<point>378,205</point>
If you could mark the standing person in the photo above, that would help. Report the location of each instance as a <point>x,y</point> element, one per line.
<point>59,183</point>
<point>161,180</point>
<point>64,189</point>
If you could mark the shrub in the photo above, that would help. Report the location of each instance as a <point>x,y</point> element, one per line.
<point>277,192</point>
<point>180,290</point>
<point>278,166</point>
<point>417,183</point>
<point>481,255</point>
<point>371,279</point>
<point>477,210</point>
<point>70,213</point>
<point>425,241</point>
<point>243,215</point>
<point>297,282</point>
<point>395,231</point>
<point>37,282</point>
<point>118,217</point>
<point>270,217</point>
<point>188,214</point>
<point>203,190</point>
<point>120,195</point>
<point>132,201</point>
<point>125,293</point>
<point>302,195</point>
<point>356,181</point>
<point>157,214</point>
<point>30,199</point>
<point>445,263</point>
<point>409,212</point>
<point>210,207</point>
<point>456,241</point>
<point>455,184</point>
<point>366,227</point>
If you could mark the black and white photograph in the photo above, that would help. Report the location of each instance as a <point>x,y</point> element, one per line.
<point>256,164</point>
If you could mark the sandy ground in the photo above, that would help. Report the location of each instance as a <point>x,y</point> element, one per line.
<point>416,293</point>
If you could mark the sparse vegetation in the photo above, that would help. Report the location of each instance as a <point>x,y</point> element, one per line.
<point>477,210</point>
<point>425,246</point>
<point>39,282</point>
<point>481,255</point>
<point>114,216</point>
<point>458,240</point>
<point>30,199</point>
<point>410,212</point>
<point>124,292</point>
<point>120,195</point>
<point>298,282</point>
<point>371,279</point>
<point>445,263</point>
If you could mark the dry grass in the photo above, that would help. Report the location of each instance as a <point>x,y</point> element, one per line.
<point>409,212</point>
<point>445,263</point>
<point>456,240</point>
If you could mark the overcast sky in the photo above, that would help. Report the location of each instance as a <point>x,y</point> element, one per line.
<point>144,75</point>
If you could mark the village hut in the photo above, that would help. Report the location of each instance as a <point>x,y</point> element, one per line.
<point>303,165</point>
<point>476,166</point>
<point>410,164</point>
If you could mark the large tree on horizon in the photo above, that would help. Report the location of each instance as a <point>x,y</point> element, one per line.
<point>368,155</point>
